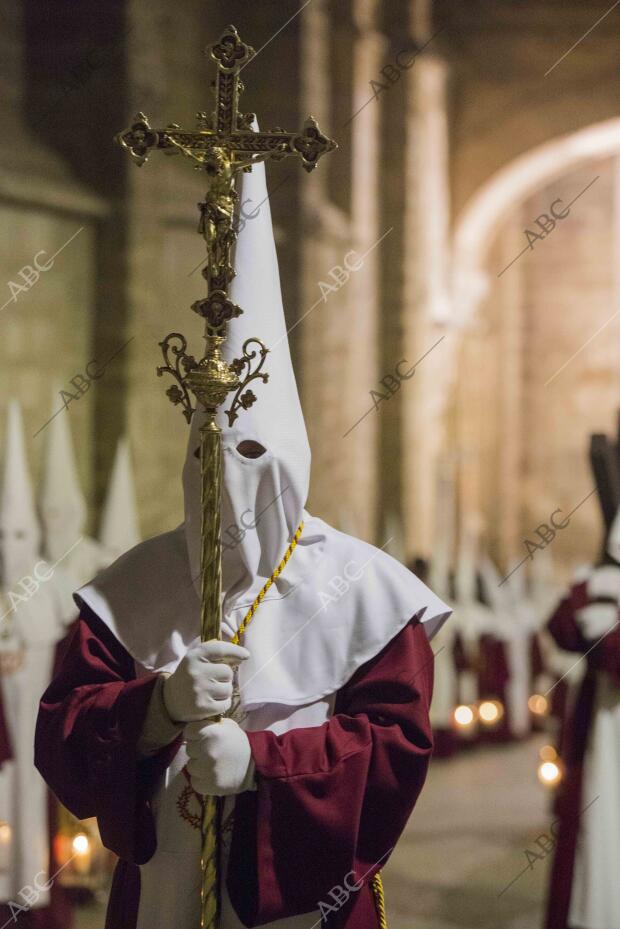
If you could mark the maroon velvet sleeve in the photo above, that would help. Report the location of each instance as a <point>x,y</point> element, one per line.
<point>603,655</point>
<point>334,799</point>
<point>563,625</point>
<point>89,722</point>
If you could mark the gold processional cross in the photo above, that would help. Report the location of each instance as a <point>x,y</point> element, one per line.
<point>222,145</point>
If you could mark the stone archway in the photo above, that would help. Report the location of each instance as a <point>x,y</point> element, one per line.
<point>485,211</point>
<point>498,422</point>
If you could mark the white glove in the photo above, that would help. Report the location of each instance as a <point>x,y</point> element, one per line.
<point>604,582</point>
<point>596,620</point>
<point>220,759</point>
<point>202,684</point>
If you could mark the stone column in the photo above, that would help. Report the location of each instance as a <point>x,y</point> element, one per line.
<point>320,311</point>
<point>425,309</point>
<point>339,263</point>
<point>508,308</point>
<point>471,406</point>
<point>369,241</point>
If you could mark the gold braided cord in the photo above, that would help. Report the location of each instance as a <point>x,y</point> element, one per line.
<point>377,882</point>
<point>209,863</point>
<point>247,619</point>
<point>211,481</point>
<point>209,804</point>
<point>379,895</point>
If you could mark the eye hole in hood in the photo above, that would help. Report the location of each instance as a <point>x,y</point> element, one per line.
<point>251,449</point>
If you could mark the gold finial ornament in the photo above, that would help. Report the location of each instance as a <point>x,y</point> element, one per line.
<point>222,145</point>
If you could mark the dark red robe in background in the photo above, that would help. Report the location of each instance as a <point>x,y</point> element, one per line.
<point>331,799</point>
<point>605,656</point>
<point>493,680</point>
<point>59,913</point>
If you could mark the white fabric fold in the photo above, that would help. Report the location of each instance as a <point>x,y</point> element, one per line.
<point>597,619</point>
<point>604,581</point>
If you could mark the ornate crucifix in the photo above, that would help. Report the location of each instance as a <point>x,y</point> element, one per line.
<point>222,145</point>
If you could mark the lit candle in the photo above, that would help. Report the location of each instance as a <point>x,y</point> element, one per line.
<point>490,712</point>
<point>6,835</point>
<point>549,773</point>
<point>464,716</point>
<point>82,853</point>
<point>538,705</point>
<point>548,753</point>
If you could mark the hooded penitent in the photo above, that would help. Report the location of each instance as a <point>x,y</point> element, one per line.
<point>119,522</point>
<point>337,604</point>
<point>30,625</point>
<point>20,534</point>
<point>34,616</point>
<point>594,899</point>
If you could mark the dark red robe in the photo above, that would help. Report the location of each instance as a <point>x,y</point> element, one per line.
<point>331,799</point>
<point>59,913</point>
<point>493,680</point>
<point>605,656</point>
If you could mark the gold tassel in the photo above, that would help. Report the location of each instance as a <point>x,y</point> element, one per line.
<point>379,895</point>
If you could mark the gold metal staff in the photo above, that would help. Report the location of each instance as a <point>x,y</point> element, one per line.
<point>222,145</point>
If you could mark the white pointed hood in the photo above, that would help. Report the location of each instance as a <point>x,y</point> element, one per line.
<point>119,522</point>
<point>32,613</point>
<point>338,602</point>
<point>270,490</point>
<point>62,504</point>
<point>20,534</point>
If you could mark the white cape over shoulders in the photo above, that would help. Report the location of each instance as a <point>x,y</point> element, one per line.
<point>337,605</point>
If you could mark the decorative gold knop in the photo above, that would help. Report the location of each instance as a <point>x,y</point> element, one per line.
<point>216,309</point>
<point>212,378</point>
